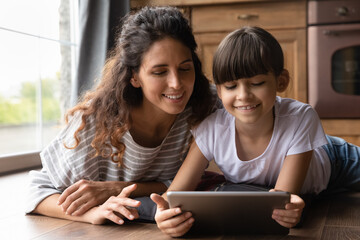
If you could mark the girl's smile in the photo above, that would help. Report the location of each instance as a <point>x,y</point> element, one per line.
<point>247,108</point>
<point>250,100</point>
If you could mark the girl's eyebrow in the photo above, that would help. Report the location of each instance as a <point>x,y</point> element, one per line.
<point>165,65</point>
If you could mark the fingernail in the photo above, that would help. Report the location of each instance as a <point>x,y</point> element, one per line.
<point>131,217</point>
<point>121,221</point>
<point>177,210</point>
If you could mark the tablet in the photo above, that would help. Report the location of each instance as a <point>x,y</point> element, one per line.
<point>232,212</point>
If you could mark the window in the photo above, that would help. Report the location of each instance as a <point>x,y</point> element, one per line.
<point>38,52</point>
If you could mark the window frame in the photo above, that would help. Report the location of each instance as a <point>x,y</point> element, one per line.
<point>19,161</point>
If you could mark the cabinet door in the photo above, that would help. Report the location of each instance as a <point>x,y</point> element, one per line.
<point>293,43</point>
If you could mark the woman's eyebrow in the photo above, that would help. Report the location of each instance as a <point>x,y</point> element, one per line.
<point>165,65</point>
<point>186,61</point>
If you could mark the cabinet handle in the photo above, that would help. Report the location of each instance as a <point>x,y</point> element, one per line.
<point>339,32</point>
<point>247,16</point>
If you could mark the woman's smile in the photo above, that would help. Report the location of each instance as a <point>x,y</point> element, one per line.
<point>166,76</point>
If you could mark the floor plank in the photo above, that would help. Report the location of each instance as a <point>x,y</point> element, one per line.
<point>344,211</point>
<point>341,233</point>
<point>335,217</point>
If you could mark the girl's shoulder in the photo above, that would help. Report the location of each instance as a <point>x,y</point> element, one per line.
<point>217,122</point>
<point>216,101</point>
<point>219,117</point>
<point>285,107</point>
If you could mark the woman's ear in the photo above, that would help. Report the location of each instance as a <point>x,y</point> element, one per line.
<point>283,81</point>
<point>134,81</point>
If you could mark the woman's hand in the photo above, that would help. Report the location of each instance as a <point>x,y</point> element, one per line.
<point>171,221</point>
<point>116,208</point>
<point>84,195</point>
<point>290,216</point>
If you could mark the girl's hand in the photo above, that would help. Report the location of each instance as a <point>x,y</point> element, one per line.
<point>116,208</point>
<point>290,216</point>
<point>84,195</point>
<point>171,221</point>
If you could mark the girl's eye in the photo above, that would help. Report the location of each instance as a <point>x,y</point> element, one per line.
<point>258,83</point>
<point>230,87</point>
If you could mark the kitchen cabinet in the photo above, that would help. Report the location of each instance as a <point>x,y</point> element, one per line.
<point>212,20</point>
<point>286,20</point>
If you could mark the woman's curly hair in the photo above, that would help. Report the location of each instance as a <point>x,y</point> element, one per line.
<point>109,104</point>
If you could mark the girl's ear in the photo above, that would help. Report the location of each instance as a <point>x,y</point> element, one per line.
<point>134,81</point>
<point>283,81</point>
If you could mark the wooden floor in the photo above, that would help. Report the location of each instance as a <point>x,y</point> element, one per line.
<point>337,217</point>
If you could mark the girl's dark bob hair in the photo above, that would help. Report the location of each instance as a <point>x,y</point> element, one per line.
<point>247,52</point>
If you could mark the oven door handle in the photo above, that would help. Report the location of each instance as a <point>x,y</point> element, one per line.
<point>338,32</point>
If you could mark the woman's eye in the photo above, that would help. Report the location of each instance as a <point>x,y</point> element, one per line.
<point>158,73</point>
<point>185,68</point>
<point>258,83</point>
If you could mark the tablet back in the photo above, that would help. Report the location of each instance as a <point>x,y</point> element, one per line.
<point>232,212</point>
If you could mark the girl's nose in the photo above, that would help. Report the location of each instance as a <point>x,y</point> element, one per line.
<point>243,93</point>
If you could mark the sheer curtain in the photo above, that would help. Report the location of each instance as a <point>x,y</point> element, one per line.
<point>98,22</point>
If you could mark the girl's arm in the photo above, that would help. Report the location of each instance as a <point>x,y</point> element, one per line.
<point>190,172</point>
<point>291,178</point>
<point>85,194</point>
<point>172,221</point>
<point>114,209</point>
<point>293,172</point>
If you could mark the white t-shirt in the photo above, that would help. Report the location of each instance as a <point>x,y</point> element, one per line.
<point>297,129</point>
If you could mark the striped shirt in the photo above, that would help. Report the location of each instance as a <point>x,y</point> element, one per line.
<point>63,167</point>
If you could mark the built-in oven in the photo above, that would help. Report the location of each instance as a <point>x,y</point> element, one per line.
<point>334,58</point>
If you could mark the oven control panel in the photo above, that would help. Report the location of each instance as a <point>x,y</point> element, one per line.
<point>332,12</point>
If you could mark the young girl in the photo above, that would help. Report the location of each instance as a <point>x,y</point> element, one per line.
<point>260,138</point>
<point>133,128</point>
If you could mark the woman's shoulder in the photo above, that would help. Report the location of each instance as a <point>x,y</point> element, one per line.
<point>75,121</point>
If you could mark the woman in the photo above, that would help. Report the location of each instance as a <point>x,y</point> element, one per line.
<point>133,128</point>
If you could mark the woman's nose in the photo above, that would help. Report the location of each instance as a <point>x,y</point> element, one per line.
<point>174,81</point>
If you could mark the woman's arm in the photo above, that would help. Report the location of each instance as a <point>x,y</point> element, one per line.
<point>85,194</point>
<point>114,209</point>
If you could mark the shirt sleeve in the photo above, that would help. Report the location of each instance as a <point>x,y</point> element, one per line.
<point>204,136</point>
<point>39,188</point>
<point>62,166</point>
<point>309,134</point>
